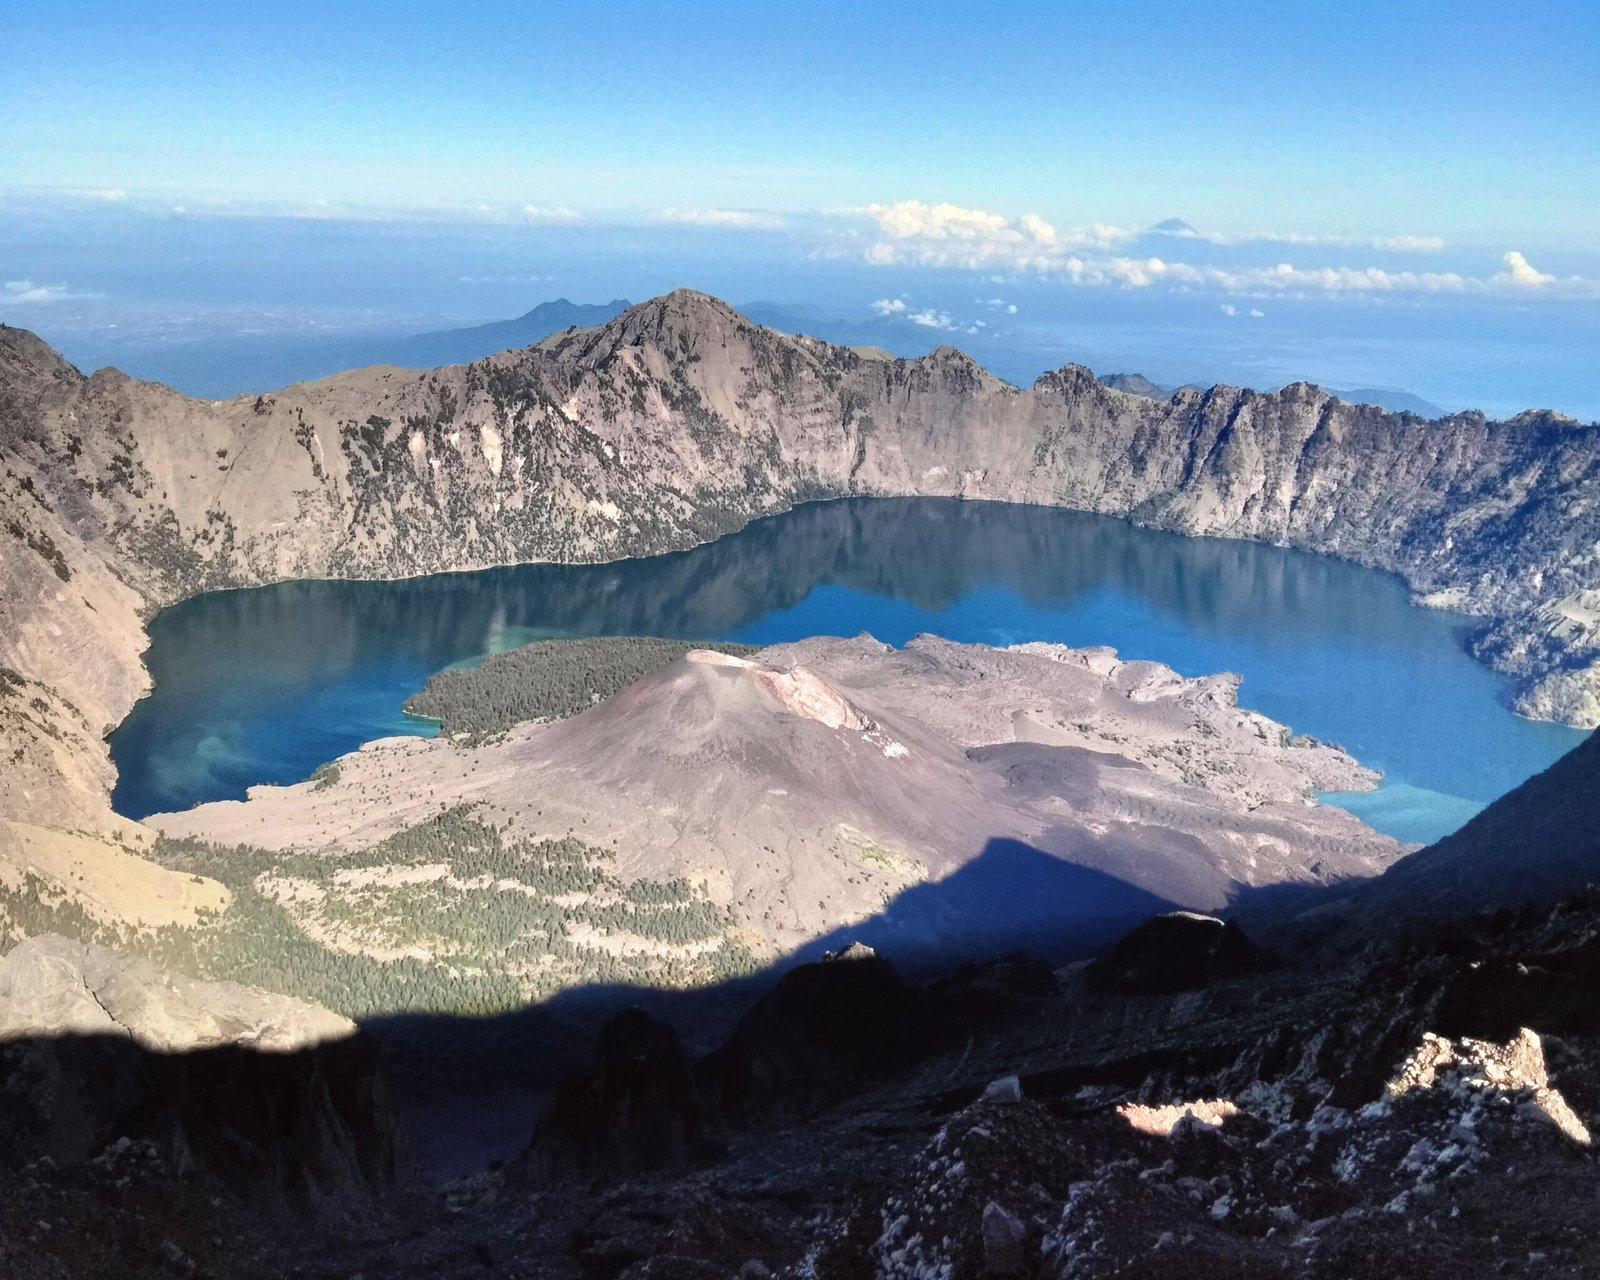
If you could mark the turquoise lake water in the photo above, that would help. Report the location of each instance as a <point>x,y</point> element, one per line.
<point>262,685</point>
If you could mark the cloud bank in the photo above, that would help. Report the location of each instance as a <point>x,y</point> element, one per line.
<point>732,219</point>
<point>911,233</point>
<point>550,213</point>
<point>26,291</point>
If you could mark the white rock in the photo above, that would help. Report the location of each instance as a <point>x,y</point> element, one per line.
<point>1005,1089</point>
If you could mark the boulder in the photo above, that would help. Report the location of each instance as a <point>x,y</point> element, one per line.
<point>1179,951</point>
<point>635,1107</point>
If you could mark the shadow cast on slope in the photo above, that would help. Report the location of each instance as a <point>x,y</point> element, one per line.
<point>1010,898</point>
<point>296,1130</point>
<point>466,1087</point>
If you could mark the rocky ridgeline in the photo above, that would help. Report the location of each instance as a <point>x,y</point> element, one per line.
<point>679,421</point>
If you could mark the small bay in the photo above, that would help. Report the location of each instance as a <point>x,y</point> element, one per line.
<point>262,685</point>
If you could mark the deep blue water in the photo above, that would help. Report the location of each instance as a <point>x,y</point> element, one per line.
<point>263,685</point>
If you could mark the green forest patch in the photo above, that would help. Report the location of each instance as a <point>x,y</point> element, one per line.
<point>545,680</point>
<point>450,916</point>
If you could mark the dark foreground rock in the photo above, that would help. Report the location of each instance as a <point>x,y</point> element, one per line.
<point>272,1098</point>
<point>634,1108</point>
<point>1179,951</point>
<point>1424,1108</point>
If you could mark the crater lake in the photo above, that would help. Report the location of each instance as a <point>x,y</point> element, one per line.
<point>262,685</point>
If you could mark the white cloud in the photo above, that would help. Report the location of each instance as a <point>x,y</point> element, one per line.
<point>1302,239</point>
<point>906,219</point>
<point>889,306</point>
<point>735,219</point>
<point>1038,228</point>
<point>949,236</point>
<point>1286,276</point>
<point>550,213</point>
<point>20,291</point>
<point>1011,310</point>
<point>931,319</point>
<point>1228,309</point>
<point>1257,312</point>
<point>1521,273</point>
<point>1410,244</point>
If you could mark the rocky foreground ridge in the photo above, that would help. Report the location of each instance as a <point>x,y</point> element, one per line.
<point>679,421</point>
<point>1189,1104</point>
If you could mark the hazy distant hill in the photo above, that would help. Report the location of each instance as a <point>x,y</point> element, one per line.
<point>231,364</point>
<point>894,336</point>
<point>1173,227</point>
<point>1136,384</point>
<point>1398,401</point>
<point>461,346</point>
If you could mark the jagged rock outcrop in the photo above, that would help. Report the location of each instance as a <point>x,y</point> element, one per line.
<point>270,1096</point>
<point>1299,1121</point>
<point>678,421</point>
<point>635,1107</point>
<point>1332,1117</point>
<point>1179,951</point>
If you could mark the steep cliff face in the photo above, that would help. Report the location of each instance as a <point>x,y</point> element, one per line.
<point>679,421</point>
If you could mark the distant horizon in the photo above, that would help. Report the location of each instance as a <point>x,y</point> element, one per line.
<point>1368,196</point>
<point>319,356</point>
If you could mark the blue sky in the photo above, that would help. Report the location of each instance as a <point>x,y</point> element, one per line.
<point>1439,159</point>
<point>1470,121</point>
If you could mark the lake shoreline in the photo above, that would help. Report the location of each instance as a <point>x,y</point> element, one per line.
<point>863,541</point>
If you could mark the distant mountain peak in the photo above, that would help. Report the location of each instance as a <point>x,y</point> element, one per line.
<point>563,305</point>
<point>1134,384</point>
<point>462,346</point>
<point>1174,227</point>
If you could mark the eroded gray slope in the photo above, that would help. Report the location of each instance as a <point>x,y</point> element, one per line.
<point>824,783</point>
